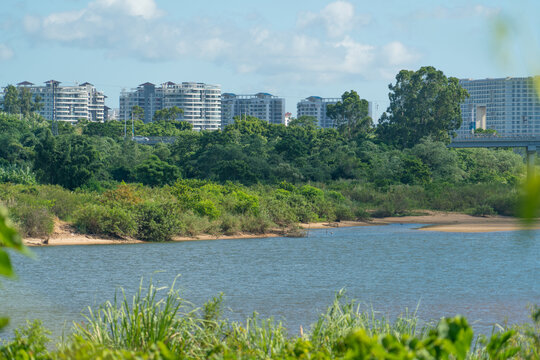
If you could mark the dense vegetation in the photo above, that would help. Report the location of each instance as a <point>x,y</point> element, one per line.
<point>252,176</point>
<point>154,326</point>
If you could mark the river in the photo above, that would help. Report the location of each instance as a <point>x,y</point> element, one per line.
<point>489,277</point>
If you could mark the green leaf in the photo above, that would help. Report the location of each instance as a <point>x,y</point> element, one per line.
<point>3,322</point>
<point>530,202</point>
<point>5,264</point>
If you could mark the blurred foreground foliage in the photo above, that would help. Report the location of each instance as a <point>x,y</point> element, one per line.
<point>152,325</point>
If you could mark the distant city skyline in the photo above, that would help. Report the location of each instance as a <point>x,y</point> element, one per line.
<point>289,49</point>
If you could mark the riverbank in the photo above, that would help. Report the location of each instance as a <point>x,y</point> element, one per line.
<point>64,234</point>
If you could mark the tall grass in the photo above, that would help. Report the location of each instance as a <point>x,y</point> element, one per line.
<point>135,324</point>
<point>156,323</point>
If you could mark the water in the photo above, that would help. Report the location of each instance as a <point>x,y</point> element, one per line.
<point>486,276</point>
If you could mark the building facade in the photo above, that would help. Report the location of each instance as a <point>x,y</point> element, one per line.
<point>264,106</point>
<point>68,103</point>
<point>509,106</point>
<point>316,106</point>
<point>200,102</point>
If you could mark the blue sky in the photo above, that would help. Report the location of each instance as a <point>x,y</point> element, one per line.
<point>292,49</point>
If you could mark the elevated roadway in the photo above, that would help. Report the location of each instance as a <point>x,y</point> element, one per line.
<point>530,142</point>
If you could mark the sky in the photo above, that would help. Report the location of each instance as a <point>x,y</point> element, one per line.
<point>289,48</point>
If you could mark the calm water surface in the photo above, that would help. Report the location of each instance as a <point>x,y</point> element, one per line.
<point>486,276</point>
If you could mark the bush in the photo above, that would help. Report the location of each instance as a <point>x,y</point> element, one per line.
<point>311,193</point>
<point>207,208</point>
<point>230,224</point>
<point>191,224</point>
<point>245,203</point>
<point>17,175</point>
<point>483,210</point>
<point>34,220</point>
<point>157,221</point>
<point>256,224</point>
<point>30,342</point>
<point>64,202</point>
<point>344,212</point>
<point>106,220</point>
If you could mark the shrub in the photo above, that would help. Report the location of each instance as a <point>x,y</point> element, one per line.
<point>30,342</point>
<point>230,224</point>
<point>191,224</point>
<point>207,208</point>
<point>256,224</point>
<point>482,210</point>
<point>125,195</point>
<point>34,220</point>
<point>64,202</point>
<point>280,212</point>
<point>311,193</point>
<point>245,203</point>
<point>344,212</point>
<point>106,220</point>
<point>157,221</point>
<point>17,175</point>
<point>335,196</point>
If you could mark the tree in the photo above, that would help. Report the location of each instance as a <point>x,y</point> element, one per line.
<point>155,172</point>
<point>137,113</point>
<point>11,100</point>
<point>305,121</point>
<point>26,104</point>
<point>422,103</point>
<point>68,160</point>
<point>168,114</point>
<point>350,115</point>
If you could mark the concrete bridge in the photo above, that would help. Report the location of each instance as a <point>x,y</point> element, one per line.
<point>530,142</point>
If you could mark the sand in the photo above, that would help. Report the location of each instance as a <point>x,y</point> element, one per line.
<point>64,234</point>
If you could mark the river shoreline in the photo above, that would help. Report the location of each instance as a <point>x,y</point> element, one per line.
<point>432,221</point>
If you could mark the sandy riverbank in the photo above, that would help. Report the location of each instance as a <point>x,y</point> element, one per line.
<point>435,221</point>
<point>454,222</point>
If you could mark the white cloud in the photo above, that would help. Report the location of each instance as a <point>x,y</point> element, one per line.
<point>6,52</point>
<point>395,53</point>
<point>147,9</point>
<point>136,29</point>
<point>445,12</point>
<point>337,18</point>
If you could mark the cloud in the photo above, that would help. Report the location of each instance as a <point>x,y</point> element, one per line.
<point>147,9</point>
<point>395,53</point>
<point>6,52</point>
<point>139,29</point>
<point>337,18</point>
<point>458,12</point>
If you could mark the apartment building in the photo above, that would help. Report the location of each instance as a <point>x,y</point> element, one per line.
<point>68,103</point>
<point>200,102</point>
<point>508,105</point>
<point>264,106</point>
<point>316,106</point>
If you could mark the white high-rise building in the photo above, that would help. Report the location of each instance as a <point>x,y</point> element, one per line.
<point>263,106</point>
<point>509,105</point>
<point>200,102</point>
<point>316,106</point>
<point>68,103</point>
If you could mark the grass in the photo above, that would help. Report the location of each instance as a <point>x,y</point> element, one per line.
<point>156,323</point>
